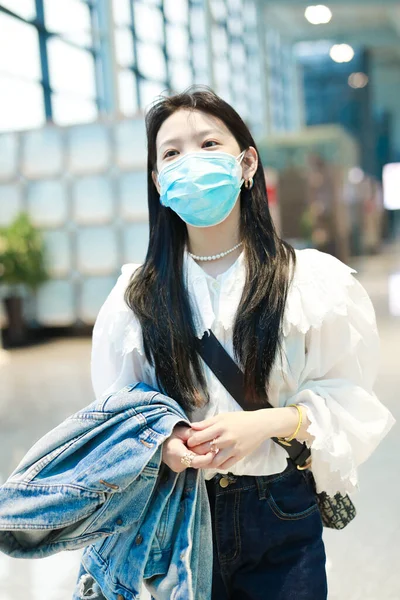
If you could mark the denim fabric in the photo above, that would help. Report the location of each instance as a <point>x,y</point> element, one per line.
<point>97,481</point>
<point>267,538</point>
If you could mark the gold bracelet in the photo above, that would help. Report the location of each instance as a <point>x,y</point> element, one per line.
<point>289,439</point>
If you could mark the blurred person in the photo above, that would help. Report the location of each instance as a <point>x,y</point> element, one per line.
<point>215,262</point>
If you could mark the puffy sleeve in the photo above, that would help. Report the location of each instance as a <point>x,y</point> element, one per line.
<point>336,384</point>
<point>117,355</point>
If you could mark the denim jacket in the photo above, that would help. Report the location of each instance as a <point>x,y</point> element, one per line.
<point>97,481</point>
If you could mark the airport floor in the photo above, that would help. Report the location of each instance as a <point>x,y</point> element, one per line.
<point>41,385</point>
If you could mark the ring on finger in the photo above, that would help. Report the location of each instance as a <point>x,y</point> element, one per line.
<point>213,447</point>
<point>187,459</point>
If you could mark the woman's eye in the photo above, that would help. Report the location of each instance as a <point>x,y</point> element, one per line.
<point>170,153</point>
<point>209,143</point>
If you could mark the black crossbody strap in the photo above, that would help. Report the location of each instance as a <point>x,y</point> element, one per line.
<point>232,378</point>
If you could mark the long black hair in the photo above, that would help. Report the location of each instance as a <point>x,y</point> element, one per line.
<point>157,293</point>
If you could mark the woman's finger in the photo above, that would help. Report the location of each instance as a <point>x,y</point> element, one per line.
<point>183,433</point>
<point>200,437</point>
<point>201,448</point>
<point>204,448</point>
<point>203,424</point>
<point>202,462</point>
<point>222,457</point>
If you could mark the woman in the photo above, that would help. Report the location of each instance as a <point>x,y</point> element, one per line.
<point>299,324</point>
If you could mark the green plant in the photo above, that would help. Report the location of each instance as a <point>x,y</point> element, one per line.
<point>22,255</point>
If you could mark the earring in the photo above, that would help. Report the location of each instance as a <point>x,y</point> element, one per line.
<point>248,184</point>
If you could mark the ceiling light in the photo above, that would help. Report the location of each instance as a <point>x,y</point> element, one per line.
<point>358,80</point>
<point>341,53</point>
<point>356,175</point>
<point>318,15</point>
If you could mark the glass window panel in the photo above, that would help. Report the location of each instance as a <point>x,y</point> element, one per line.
<point>71,69</point>
<point>97,249</point>
<point>149,91</point>
<point>200,57</point>
<point>241,106</point>
<point>136,240</point>
<point>274,39</point>
<point>202,78</point>
<point>71,18</point>
<point>124,47</point>
<point>219,41</point>
<point>130,141</point>
<point>221,69</point>
<point>181,76</point>
<point>93,200</point>
<point>218,9</point>
<point>253,70</point>
<point>234,5</point>
<point>47,202</point>
<point>255,94</point>
<point>88,148</point>
<point>24,8</point>
<point>239,84</point>
<point>9,157</point>
<point>128,103</point>
<point>252,42</point>
<point>19,48</point>
<point>68,110</point>
<point>11,203</point>
<point>177,42</point>
<point>151,61</point>
<point>198,22</point>
<point>148,23</point>
<point>56,303</point>
<point>21,104</point>
<point>235,26</point>
<point>42,153</point>
<point>122,12</point>
<point>238,55</point>
<point>176,11</point>
<point>133,193</point>
<point>224,91</point>
<point>250,13</point>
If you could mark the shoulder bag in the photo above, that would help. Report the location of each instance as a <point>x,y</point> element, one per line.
<point>336,511</point>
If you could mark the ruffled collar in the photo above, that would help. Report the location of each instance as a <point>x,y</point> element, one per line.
<point>319,287</point>
<point>232,283</point>
<point>197,271</point>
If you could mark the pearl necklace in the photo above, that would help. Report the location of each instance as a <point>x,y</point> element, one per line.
<point>215,255</point>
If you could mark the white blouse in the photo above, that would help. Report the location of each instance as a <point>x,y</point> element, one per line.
<point>329,364</point>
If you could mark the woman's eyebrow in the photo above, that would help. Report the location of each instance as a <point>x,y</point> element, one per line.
<point>199,134</point>
<point>170,142</point>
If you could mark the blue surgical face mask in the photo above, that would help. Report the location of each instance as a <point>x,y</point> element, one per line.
<point>202,187</point>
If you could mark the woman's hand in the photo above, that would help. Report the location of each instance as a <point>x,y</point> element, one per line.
<point>237,434</point>
<point>174,448</point>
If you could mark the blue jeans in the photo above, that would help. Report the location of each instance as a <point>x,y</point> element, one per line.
<point>267,537</point>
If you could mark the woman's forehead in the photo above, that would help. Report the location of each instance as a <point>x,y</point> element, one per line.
<point>184,124</point>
